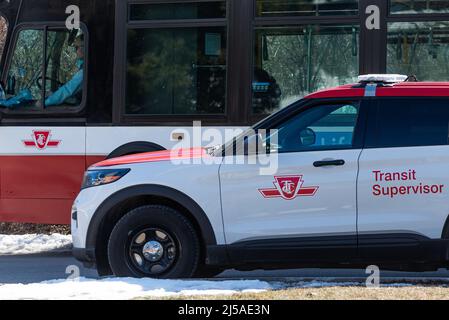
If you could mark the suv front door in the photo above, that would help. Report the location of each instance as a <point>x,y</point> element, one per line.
<point>309,202</point>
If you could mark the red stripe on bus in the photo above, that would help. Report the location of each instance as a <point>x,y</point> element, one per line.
<point>41,189</point>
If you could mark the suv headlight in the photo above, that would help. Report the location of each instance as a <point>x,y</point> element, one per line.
<point>94,178</point>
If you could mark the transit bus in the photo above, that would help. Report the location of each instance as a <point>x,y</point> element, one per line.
<point>136,74</point>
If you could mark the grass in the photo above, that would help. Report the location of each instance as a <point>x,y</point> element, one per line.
<point>418,292</point>
<point>25,228</point>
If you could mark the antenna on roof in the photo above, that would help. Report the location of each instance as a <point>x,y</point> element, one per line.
<point>412,78</point>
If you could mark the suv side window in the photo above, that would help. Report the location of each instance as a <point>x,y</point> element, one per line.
<point>410,123</point>
<point>323,127</point>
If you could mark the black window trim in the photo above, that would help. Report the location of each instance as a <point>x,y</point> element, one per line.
<point>120,117</point>
<point>304,20</point>
<point>173,21</point>
<point>301,17</point>
<point>423,15</point>
<point>53,111</point>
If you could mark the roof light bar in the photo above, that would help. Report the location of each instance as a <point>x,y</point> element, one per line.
<point>385,78</point>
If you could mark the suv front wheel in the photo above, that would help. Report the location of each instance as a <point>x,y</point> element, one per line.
<point>154,241</point>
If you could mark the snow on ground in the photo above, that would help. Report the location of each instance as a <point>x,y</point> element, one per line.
<point>33,243</point>
<point>126,288</point>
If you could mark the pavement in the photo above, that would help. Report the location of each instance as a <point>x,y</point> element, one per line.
<point>51,266</point>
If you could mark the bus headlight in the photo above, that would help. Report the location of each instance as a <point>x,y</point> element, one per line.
<point>94,178</point>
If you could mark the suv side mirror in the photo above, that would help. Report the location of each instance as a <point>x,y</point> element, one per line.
<point>253,144</point>
<point>307,136</point>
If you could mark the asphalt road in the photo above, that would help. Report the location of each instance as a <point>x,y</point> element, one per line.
<point>37,268</point>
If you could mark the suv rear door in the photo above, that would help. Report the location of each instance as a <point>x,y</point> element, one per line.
<point>309,203</point>
<point>403,184</point>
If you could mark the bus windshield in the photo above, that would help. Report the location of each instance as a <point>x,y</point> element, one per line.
<point>61,79</point>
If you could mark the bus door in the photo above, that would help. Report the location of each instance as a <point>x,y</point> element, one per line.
<point>42,152</point>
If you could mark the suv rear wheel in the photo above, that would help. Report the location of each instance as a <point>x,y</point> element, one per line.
<point>154,241</point>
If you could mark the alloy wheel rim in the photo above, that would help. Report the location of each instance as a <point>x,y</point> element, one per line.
<point>152,251</point>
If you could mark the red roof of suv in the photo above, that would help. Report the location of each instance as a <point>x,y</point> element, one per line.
<point>401,89</point>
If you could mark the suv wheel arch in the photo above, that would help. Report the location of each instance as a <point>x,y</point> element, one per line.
<point>99,228</point>
<point>135,147</point>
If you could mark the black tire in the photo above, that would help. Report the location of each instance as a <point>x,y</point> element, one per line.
<point>179,243</point>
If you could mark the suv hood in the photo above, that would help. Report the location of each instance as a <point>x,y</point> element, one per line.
<point>157,156</point>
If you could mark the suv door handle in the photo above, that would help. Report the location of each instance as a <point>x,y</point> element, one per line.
<point>327,163</point>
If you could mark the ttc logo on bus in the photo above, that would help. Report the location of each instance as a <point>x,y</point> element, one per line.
<point>41,139</point>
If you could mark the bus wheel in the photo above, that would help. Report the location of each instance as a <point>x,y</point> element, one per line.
<point>154,241</point>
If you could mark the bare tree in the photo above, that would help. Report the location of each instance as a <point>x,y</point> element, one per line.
<point>3,33</point>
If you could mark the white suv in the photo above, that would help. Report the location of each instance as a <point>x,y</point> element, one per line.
<point>362,178</point>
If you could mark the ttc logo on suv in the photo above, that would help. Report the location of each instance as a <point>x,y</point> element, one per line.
<point>41,139</point>
<point>288,188</point>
